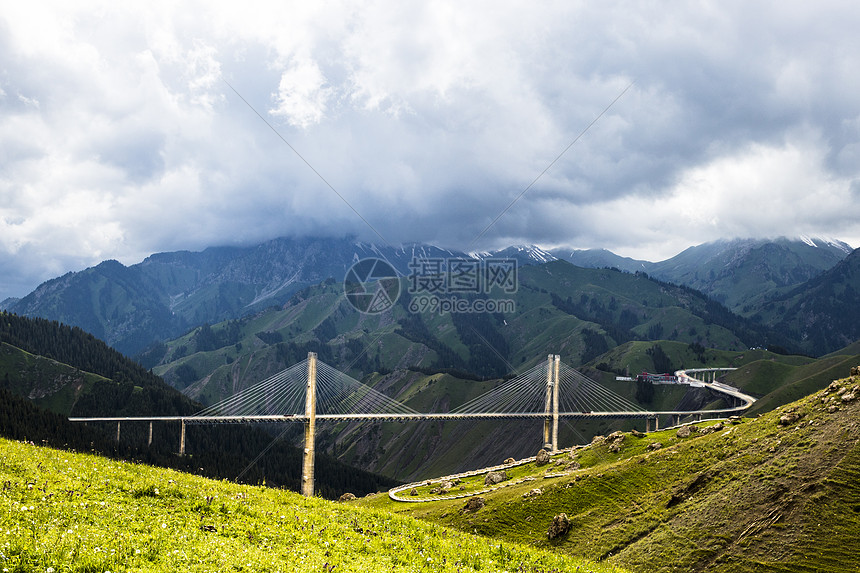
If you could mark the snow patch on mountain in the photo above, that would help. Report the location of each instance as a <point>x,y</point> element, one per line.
<point>818,241</point>
<point>532,252</point>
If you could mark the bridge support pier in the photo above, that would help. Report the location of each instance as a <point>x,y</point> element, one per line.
<point>149,441</point>
<point>550,423</point>
<point>182,439</point>
<point>548,402</point>
<point>555,392</point>
<point>310,427</point>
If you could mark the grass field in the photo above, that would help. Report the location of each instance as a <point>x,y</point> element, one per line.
<point>62,511</point>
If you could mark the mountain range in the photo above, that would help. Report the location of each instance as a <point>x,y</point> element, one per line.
<point>165,295</point>
<point>169,294</point>
<point>737,272</point>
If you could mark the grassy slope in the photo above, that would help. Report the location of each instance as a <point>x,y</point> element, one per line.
<point>775,379</point>
<point>82,513</point>
<point>48,383</point>
<point>634,355</point>
<point>850,350</point>
<point>779,383</point>
<point>755,496</point>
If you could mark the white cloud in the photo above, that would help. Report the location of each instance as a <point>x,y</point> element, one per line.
<point>302,94</point>
<point>761,190</point>
<point>29,102</point>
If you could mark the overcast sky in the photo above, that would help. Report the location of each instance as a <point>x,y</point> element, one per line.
<point>120,136</point>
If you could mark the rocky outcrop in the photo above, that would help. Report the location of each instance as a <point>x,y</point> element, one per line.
<point>789,418</point>
<point>840,393</point>
<point>711,429</point>
<point>615,440</point>
<point>654,446</point>
<point>347,497</point>
<point>474,504</point>
<point>686,431</point>
<point>494,478</point>
<point>542,458</point>
<point>532,493</point>
<point>560,526</point>
<point>509,461</point>
<point>445,486</point>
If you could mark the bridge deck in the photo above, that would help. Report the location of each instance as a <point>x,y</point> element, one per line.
<point>414,416</point>
<point>397,417</point>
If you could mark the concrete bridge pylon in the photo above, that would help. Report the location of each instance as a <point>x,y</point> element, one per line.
<point>310,427</point>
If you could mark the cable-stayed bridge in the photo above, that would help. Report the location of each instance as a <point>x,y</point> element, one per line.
<point>312,390</point>
<point>341,397</point>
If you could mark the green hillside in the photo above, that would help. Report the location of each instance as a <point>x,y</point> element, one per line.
<point>777,383</point>
<point>777,493</point>
<point>823,313</point>
<point>48,383</point>
<point>60,365</point>
<point>637,356</point>
<point>575,312</point>
<point>61,511</point>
